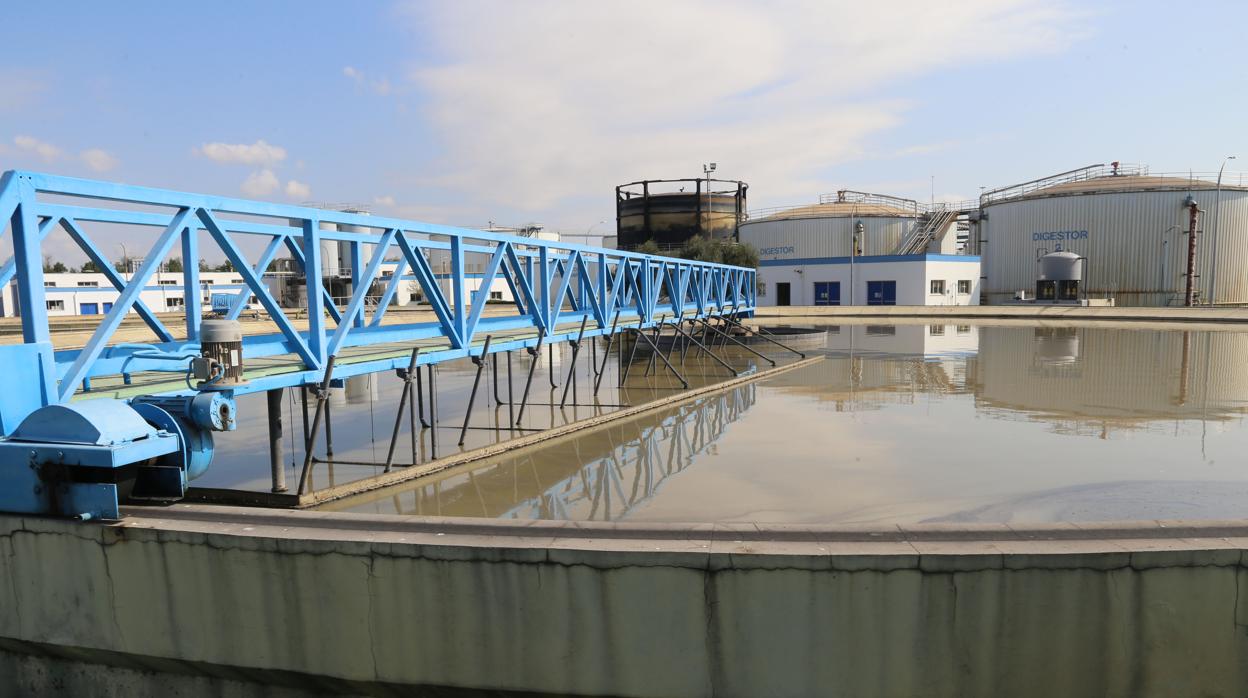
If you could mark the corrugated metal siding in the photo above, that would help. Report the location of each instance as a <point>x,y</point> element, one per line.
<point>825,237</point>
<point>1131,256</point>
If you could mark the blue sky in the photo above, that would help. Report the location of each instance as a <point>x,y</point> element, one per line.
<point>469,112</point>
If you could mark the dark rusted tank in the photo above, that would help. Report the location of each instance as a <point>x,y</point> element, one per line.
<point>671,211</point>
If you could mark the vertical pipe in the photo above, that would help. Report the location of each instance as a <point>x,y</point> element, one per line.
<point>276,465</point>
<point>420,402</point>
<point>433,412</point>
<point>1189,291</point>
<point>511,410</point>
<point>303,398</point>
<point>190,285</point>
<point>329,427</point>
<point>576,349</point>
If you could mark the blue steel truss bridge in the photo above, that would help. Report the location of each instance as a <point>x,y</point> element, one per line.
<point>83,426</point>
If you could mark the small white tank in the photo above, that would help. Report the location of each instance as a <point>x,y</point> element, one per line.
<point>1061,266</point>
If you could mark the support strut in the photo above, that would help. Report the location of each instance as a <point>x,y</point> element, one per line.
<point>322,399</point>
<point>610,338</point>
<point>534,357</point>
<point>760,332</point>
<point>476,382</point>
<point>404,397</point>
<point>576,350</point>
<point>729,338</point>
<point>670,367</point>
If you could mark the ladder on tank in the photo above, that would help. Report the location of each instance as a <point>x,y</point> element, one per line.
<point>927,229</point>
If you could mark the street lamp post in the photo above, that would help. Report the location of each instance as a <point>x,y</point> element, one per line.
<point>707,170</point>
<point>1217,219</point>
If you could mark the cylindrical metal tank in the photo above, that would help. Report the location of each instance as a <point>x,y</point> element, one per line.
<point>672,211</point>
<point>829,229</point>
<point>344,248</point>
<point>1061,266</point>
<point>1130,226</point>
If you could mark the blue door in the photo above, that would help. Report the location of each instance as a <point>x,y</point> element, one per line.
<point>827,293</point>
<point>88,308</point>
<point>108,307</point>
<point>881,293</point>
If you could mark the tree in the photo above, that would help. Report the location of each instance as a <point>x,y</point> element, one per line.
<point>88,267</point>
<point>50,267</point>
<point>203,265</point>
<point>647,247</point>
<point>224,266</point>
<point>174,264</point>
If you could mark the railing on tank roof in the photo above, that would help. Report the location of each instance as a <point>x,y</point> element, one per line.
<point>849,196</point>
<point>1093,172</point>
<point>917,210</point>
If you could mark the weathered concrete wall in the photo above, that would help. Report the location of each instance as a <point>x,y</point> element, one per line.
<point>340,600</point>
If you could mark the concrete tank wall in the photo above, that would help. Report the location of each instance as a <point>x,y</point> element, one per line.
<point>366,604</point>
<point>1135,243</point>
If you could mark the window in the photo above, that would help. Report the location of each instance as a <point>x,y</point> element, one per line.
<point>964,329</point>
<point>881,293</point>
<point>88,283</point>
<point>207,282</point>
<point>173,303</point>
<point>496,295</point>
<point>56,305</point>
<point>50,284</point>
<point>936,330</point>
<point>938,287</point>
<point>881,331</point>
<point>412,297</point>
<point>964,287</point>
<point>236,280</point>
<point>168,282</point>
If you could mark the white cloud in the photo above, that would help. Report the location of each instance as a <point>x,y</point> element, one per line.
<point>386,200</point>
<point>98,160</point>
<point>261,183</point>
<point>298,190</point>
<point>46,151</point>
<point>259,153</point>
<point>612,95</point>
<point>380,86</point>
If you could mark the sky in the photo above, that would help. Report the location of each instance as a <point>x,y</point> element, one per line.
<point>473,112</point>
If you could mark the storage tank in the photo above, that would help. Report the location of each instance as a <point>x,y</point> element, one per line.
<point>671,211</point>
<point>1131,227</point>
<point>1060,275</point>
<point>829,228</point>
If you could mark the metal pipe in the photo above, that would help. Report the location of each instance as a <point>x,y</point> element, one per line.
<point>1189,290</point>
<point>322,399</point>
<point>476,382</point>
<point>276,464</point>
<point>329,429</point>
<point>433,412</point>
<point>534,357</point>
<point>576,349</point>
<point>511,416</point>
<point>420,402</point>
<point>550,372</point>
<point>403,404</point>
<point>303,397</point>
<point>631,355</point>
<point>742,344</point>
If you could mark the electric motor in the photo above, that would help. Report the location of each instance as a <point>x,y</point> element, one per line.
<point>221,346</point>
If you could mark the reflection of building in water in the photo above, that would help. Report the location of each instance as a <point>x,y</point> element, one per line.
<point>872,365</point>
<point>1092,380</point>
<point>600,475</point>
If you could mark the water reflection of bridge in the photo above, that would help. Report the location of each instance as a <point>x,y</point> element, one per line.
<point>601,475</point>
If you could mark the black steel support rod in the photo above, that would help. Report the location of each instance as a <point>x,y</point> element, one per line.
<point>763,333</point>
<point>607,353</point>
<point>576,349</point>
<point>322,398</point>
<point>274,399</point>
<point>329,428</point>
<point>403,404</point>
<point>535,355</point>
<point>632,354</point>
<point>303,398</point>
<point>729,338</point>
<point>723,363</point>
<point>670,367</point>
<point>511,410</point>
<point>433,412</point>
<point>550,372</point>
<point>476,382</point>
<point>498,399</point>
<point>420,402</point>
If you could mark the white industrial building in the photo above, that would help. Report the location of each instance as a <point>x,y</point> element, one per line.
<point>857,248</point>
<point>91,293</point>
<point>1128,224</point>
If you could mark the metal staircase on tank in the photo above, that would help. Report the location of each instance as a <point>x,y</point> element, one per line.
<point>927,228</point>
